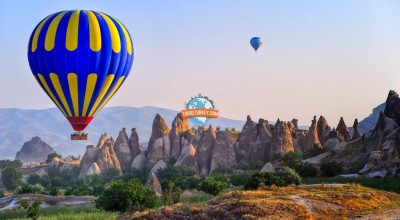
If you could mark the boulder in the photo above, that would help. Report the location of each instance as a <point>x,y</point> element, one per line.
<point>123,151</point>
<point>312,137</point>
<point>179,126</point>
<point>34,151</point>
<point>342,130</point>
<point>154,184</point>
<point>322,129</point>
<point>187,156</point>
<point>223,151</point>
<point>246,140</point>
<point>377,174</point>
<point>204,151</point>
<point>268,167</point>
<point>134,143</point>
<point>138,162</point>
<point>93,169</point>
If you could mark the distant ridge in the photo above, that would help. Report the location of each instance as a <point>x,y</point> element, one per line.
<point>19,125</point>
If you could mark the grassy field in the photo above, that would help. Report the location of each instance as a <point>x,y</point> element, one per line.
<point>88,212</point>
<point>391,185</point>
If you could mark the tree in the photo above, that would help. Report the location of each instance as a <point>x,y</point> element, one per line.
<point>10,163</point>
<point>179,175</point>
<point>212,186</point>
<point>10,178</point>
<point>171,194</point>
<point>51,156</point>
<point>259,179</point>
<point>289,176</point>
<point>122,196</point>
<point>33,210</point>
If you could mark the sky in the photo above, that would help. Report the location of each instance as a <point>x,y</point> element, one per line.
<point>331,58</point>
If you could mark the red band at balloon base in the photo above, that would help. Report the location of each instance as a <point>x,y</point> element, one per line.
<point>79,123</point>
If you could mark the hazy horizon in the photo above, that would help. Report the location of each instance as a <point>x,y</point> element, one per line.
<point>330,58</point>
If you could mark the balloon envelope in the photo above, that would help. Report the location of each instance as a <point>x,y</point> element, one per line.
<point>80,58</point>
<point>256,43</point>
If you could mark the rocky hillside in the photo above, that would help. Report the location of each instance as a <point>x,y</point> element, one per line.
<point>335,201</point>
<point>207,148</point>
<point>19,125</point>
<point>34,151</point>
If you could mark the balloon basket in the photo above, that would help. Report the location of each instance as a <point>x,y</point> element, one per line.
<point>79,136</point>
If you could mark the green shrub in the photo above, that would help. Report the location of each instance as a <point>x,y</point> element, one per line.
<point>33,179</point>
<point>171,195</point>
<point>240,178</point>
<point>25,189</point>
<point>79,190</point>
<point>331,169</point>
<point>306,170</point>
<point>315,150</point>
<point>259,179</point>
<point>51,156</point>
<point>1,194</point>
<point>291,159</point>
<point>211,186</point>
<point>122,196</point>
<point>288,175</point>
<point>10,163</point>
<point>11,178</point>
<point>55,191</point>
<point>219,177</point>
<point>242,165</point>
<point>179,175</point>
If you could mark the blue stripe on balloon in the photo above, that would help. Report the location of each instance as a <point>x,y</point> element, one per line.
<point>105,59</point>
<point>83,57</point>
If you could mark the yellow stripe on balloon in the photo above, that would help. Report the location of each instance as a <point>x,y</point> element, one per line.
<point>50,93</point>
<point>90,85</point>
<point>115,40</point>
<point>94,32</point>
<point>103,91</point>
<point>73,89</point>
<point>120,80</point>
<point>71,41</point>
<point>60,93</point>
<point>51,32</point>
<point>127,38</point>
<point>37,32</point>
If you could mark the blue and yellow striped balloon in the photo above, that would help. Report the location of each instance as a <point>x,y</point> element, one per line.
<point>80,58</point>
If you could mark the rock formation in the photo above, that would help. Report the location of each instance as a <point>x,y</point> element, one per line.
<point>123,151</point>
<point>268,167</point>
<point>312,137</point>
<point>34,151</point>
<point>342,130</point>
<point>282,142</point>
<point>356,132</point>
<point>392,109</point>
<point>322,129</point>
<point>261,149</point>
<point>246,140</point>
<point>223,151</point>
<point>138,162</point>
<point>154,184</point>
<point>179,126</point>
<point>102,157</point>
<point>134,143</point>
<point>159,147</point>
<point>204,151</point>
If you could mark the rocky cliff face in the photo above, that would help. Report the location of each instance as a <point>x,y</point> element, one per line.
<point>356,132</point>
<point>342,130</point>
<point>204,151</point>
<point>312,137</point>
<point>102,157</point>
<point>223,151</point>
<point>322,129</point>
<point>179,126</point>
<point>282,141</point>
<point>34,151</point>
<point>246,140</point>
<point>159,147</point>
<point>123,151</point>
<point>134,143</point>
<point>261,149</point>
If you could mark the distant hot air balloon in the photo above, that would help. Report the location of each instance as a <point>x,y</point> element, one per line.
<point>80,58</point>
<point>256,43</point>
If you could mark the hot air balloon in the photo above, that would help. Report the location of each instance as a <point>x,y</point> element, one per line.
<point>80,58</point>
<point>256,43</point>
